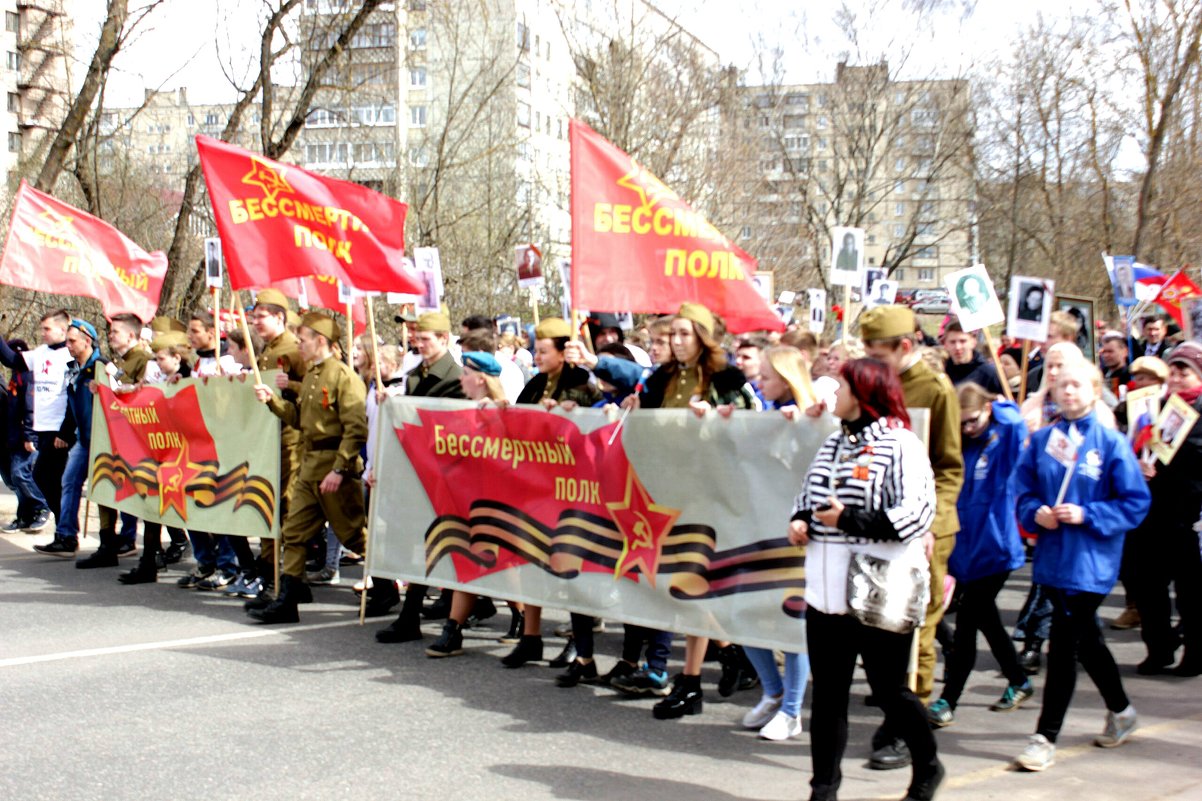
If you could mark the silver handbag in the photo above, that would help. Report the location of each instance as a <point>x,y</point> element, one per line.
<point>886,594</point>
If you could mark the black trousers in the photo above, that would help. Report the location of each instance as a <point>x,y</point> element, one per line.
<point>979,613</point>
<point>48,470</point>
<point>1076,637</point>
<point>582,633</point>
<point>1172,557</point>
<point>834,642</point>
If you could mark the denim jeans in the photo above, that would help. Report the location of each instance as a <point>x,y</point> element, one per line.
<point>792,688</point>
<point>67,523</point>
<point>211,551</point>
<point>129,529</point>
<point>30,501</point>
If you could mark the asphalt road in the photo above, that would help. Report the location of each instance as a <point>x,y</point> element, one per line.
<point>114,692</point>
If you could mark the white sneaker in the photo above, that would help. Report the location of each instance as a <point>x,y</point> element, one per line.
<point>759,715</point>
<point>783,726</point>
<point>1038,755</point>
<point>1118,728</point>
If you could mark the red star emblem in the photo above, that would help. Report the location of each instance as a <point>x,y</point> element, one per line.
<point>643,524</point>
<point>173,479</point>
<point>266,178</point>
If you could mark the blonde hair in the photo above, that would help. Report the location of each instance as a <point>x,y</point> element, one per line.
<point>851,348</point>
<point>790,364</point>
<point>1065,324</point>
<point>389,355</point>
<point>974,397</point>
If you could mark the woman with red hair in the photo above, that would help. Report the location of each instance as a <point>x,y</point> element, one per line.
<point>867,503</point>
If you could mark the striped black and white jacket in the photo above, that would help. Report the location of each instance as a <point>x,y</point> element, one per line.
<point>882,475</point>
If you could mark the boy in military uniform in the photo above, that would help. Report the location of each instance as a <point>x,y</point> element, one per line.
<point>330,414</point>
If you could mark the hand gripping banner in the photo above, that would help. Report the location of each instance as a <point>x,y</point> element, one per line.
<point>679,525</point>
<point>200,454</point>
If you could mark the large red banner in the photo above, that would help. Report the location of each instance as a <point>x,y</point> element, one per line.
<point>278,221</point>
<point>57,248</point>
<point>1174,291</point>
<point>321,292</point>
<point>636,246</point>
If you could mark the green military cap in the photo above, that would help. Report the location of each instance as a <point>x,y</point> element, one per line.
<point>697,313</point>
<point>322,324</point>
<point>886,322</point>
<point>439,322</point>
<point>162,324</point>
<point>293,320</point>
<point>271,297</point>
<point>169,339</point>
<point>552,328</point>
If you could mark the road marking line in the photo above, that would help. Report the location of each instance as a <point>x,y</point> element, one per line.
<point>166,644</point>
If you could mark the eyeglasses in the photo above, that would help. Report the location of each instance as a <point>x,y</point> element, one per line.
<point>974,421</point>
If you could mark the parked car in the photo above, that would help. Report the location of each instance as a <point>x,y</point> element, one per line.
<point>932,301</point>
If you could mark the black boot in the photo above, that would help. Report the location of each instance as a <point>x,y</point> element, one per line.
<point>381,597</point>
<point>440,609</point>
<point>482,610</point>
<point>891,755</point>
<point>408,625</point>
<point>578,672</point>
<point>105,555</point>
<point>449,643</point>
<point>147,571</point>
<point>566,657</point>
<point>516,622</point>
<point>685,699</point>
<point>284,608</point>
<point>732,661</point>
<point>528,649</point>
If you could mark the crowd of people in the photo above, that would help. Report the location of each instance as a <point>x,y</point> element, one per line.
<point>941,523</point>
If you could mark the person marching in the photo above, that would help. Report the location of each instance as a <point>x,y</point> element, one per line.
<point>330,414</point>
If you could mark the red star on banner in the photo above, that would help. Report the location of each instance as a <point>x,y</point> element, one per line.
<point>643,524</point>
<point>266,178</point>
<point>173,479</point>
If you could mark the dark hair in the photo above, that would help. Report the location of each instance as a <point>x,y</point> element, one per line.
<point>616,349</point>
<point>479,321</point>
<point>953,327</point>
<point>131,322</point>
<point>478,339</point>
<point>560,343</point>
<point>752,341</point>
<point>205,318</point>
<point>239,339</point>
<point>877,388</point>
<point>62,315</point>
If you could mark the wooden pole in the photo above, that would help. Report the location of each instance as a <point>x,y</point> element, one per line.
<point>997,363</point>
<point>846,324</point>
<point>250,349</point>
<point>406,309</point>
<point>350,333</point>
<point>87,510</point>
<point>375,357</point>
<point>217,317</point>
<point>1022,388</point>
<point>534,306</point>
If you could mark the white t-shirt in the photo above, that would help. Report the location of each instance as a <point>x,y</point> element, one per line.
<point>49,368</point>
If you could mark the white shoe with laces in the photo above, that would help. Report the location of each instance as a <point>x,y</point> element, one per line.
<point>783,726</point>
<point>759,715</point>
<point>1119,726</point>
<point>1038,755</point>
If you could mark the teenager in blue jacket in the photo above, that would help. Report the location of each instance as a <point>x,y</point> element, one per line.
<point>1080,546</point>
<point>987,548</point>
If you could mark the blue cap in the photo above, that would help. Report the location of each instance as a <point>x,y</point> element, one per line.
<point>483,362</point>
<point>86,327</point>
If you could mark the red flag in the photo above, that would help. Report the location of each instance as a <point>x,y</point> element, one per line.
<point>1173,291</point>
<point>279,221</point>
<point>321,292</point>
<point>53,247</point>
<point>636,246</point>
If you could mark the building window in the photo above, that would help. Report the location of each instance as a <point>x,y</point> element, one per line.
<point>522,75</point>
<point>417,39</point>
<point>211,119</point>
<point>899,275</point>
<point>418,157</point>
<point>14,142</point>
<point>13,60</point>
<point>926,274</point>
<point>899,188</point>
<point>524,115</point>
<point>191,118</point>
<point>417,77</point>
<point>12,22</point>
<point>872,239</point>
<point>900,164</point>
<point>417,5</point>
<point>14,102</point>
<point>899,231</point>
<point>523,37</point>
<point>899,209</point>
<point>745,232</point>
<point>417,116</point>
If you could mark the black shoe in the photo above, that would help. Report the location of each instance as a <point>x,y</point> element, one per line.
<point>440,609</point>
<point>566,657</point>
<point>449,643</point>
<point>381,598</point>
<point>63,549</point>
<point>731,659</point>
<point>1031,659</point>
<point>39,521</point>
<point>1156,665</point>
<point>528,649</point>
<point>1188,668</point>
<point>101,557</point>
<point>175,553</point>
<point>403,629</point>
<point>482,610</point>
<point>620,670</point>
<point>144,573</point>
<point>126,550</point>
<point>685,699</point>
<point>284,608</point>
<point>890,756</point>
<point>516,622</point>
<point>198,574</point>
<point>925,790</point>
<point>578,673</point>
<point>15,526</point>
<point>261,601</point>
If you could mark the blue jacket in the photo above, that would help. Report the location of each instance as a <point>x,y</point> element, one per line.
<point>1107,484</point>
<point>988,542</point>
<point>77,425</point>
<point>623,374</point>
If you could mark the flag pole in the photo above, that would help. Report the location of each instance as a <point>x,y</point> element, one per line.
<point>1022,387</point>
<point>375,357</point>
<point>846,313</point>
<point>250,345</point>
<point>997,363</point>
<point>217,315</point>
<point>350,333</point>
<point>534,306</point>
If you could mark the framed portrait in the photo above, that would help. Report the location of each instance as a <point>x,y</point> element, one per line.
<point>528,260</point>
<point>847,257</point>
<point>1143,407</point>
<point>508,324</point>
<point>213,263</point>
<point>1082,310</point>
<point>884,293</point>
<point>1191,313</point>
<point>765,284</point>
<point>974,300</point>
<point>817,318</point>
<point>1172,427</point>
<point>1030,307</point>
<point>1122,278</point>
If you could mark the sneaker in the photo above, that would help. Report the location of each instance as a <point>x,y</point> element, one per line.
<point>175,553</point>
<point>783,726</point>
<point>1128,619</point>
<point>1119,726</point>
<point>16,525</point>
<point>218,580</point>
<point>252,588</point>
<point>234,588</point>
<point>327,575</point>
<point>643,681</point>
<point>349,558</point>
<point>194,578</point>
<point>63,549</point>
<point>940,714</point>
<point>39,522</point>
<point>620,670</point>
<point>126,549</point>
<point>449,643</point>
<point>1038,755</point>
<point>1013,697</point>
<point>758,716</point>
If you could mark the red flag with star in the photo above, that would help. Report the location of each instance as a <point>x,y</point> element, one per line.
<point>278,221</point>
<point>57,248</point>
<point>636,246</point>
<point>1175,290</point>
